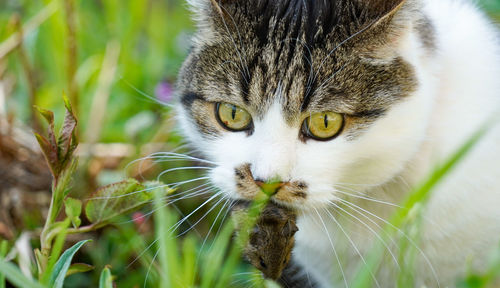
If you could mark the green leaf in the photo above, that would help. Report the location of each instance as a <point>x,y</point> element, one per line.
<point>38,260</point>
<point>106,280</point>
<point>62,265</point>
<point>47,114</point>
<point>16,277</point>
<point>61,189</point>
<point>119,198</point>
<point>79,268</point>
<point>59,229</point>
<point>3,251</point>
<point>73,208</point>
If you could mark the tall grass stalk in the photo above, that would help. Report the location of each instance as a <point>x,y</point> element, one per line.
<point>416,200</point>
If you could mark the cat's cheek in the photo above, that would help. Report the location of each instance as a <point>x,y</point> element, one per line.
<point>224,180</point>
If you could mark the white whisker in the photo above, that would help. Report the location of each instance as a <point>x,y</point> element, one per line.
<point>353,245</point>
<point>182,168</point>
<point>150,265</point>
<point>369,228</point>
<point>367,198</point>
<point>173,228</point>
<point>426,259</point>
<point>333,247</point>
<point>204,215</point>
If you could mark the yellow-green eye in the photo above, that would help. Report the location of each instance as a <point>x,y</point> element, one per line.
<point>232,117</point>
<point>323,125</point>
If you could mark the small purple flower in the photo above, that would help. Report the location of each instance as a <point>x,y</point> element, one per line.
<point>164,91</point>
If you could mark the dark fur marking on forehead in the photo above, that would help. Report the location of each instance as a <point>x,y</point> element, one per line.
<point>188,98</point>
<point>245,54</point>
<point>370,113</point>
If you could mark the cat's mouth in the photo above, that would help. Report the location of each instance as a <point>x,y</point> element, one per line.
<point>287,193</point>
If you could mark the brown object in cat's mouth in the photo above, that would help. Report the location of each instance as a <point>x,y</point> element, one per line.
<point>272,239</point>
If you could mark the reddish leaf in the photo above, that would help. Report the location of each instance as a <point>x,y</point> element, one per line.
<point>50,149</point>
<point>49,153</point>
<point>67,138</point>
<point>59,152</point>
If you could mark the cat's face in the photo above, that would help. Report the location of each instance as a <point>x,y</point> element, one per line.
<point>316,96</point>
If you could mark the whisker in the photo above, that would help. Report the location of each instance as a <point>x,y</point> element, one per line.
<point>367,198</point>
<point>333,247</point>
<point>340,45</point>
<point>330,78</point>
<point>197,193</point>
<point>369,228</point>
<point>127,194</point>
<point>204,215</point>
<point>182,168</point>
<point>231,205</point>
<point>213,224</point>
<point>180,183</point>
<point>353,245</point>
<point>179,223</point>
<point>187,221</point>
<point>150,265</point>
<point>142,253</point>
<point>184,156</point>
<point>426,259</point>
<point>246,76</point>
<point>130,85</point>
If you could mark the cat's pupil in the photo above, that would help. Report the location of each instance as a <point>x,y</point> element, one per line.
<point>233,112</point>
<point>326,120</point>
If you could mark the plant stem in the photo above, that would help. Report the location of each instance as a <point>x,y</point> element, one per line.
<point>45,241</point>
<point>13,41</point>
<point>28,71</point>
<point>69,7</point>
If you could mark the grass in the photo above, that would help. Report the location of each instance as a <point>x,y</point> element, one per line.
<point>115,51</point>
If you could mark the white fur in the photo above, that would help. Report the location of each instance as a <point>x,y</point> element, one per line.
<point>459,89</point>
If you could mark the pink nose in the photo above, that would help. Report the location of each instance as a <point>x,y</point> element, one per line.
<point>269,188</point>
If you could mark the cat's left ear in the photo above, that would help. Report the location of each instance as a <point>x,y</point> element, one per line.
<point>380,10</point>
<point>388,22</point>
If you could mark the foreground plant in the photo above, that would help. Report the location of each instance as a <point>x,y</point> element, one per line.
<point>53,265</point>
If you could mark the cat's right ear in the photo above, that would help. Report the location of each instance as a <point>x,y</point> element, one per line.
<point>207,14</point>
<point>204,8</point>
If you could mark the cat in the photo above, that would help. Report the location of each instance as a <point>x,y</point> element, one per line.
<point>349,104</point>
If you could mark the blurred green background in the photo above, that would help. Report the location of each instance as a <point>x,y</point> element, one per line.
<point>116,59</point>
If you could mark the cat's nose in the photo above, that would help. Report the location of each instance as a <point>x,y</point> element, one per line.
<point>269,188</point>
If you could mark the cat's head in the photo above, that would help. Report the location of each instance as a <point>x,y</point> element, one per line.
<point>311,93</point>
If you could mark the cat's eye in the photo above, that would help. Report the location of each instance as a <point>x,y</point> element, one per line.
<point>232,117</point>
<point>323,125</point>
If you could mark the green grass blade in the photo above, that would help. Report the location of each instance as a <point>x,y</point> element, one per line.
<point>106,280</point>
<point>213,260</point>
<point>3,251</point>
<point>189,261</point>
<point>167,243</point>
<point>14,275</point>
<point>62,265</point>
<point>241,240</point>
<point>419,196</point>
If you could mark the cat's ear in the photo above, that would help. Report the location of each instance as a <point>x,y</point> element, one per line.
<point>206,9</point>
<point>380,10</point>
<point>387,23</point>
<point>206,14</point>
